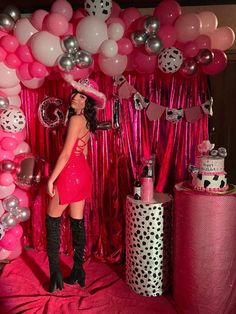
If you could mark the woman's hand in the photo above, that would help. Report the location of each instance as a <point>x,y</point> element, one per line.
<point>50,188</point>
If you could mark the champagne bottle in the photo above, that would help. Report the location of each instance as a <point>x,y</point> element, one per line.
<point>137,188</point>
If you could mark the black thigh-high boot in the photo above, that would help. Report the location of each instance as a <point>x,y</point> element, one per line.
<point>78,239</point>
<point>53,225</point>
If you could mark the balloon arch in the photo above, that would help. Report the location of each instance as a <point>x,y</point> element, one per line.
<point>98,37</point>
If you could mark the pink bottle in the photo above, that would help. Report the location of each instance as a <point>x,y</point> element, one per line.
<point>147,190</point>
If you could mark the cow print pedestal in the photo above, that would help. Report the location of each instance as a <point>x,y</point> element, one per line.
<point>148,244</point>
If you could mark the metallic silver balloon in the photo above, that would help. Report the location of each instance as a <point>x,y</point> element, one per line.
<point>66,62</point>
<point>189,67</point>
<point>8,220</point>
<point>23,214</point>
<point>151,24</point>
<point>83,59</point>
<point>139,38</point>
<point>10,203</point>
<point>69,44</point>
<point>204,56</point>
<point>153,45</point>
<point>6,22</point>
<point>4,102</point>
<point>13,11</point>
<point>7,165</point>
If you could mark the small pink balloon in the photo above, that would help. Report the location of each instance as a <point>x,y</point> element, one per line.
<point>22,197</point>
<point>203,42</point>
<point>12,90</point>
<point>3,54</point>
<point>6,179</point>
<point>16,231</point>
<point>167,34</point>
<point>190,50</point>
<point>22,148</point>
<point>125,46</point>
<point>4,154</point>
<point>37,18</point>
<point>116,10</point>
<point>222,38</point>
<point>115,20</point>
<point>9,143</point>
<point>18,136</point>
<point>24,53</point>
<point>218,63</point>
<point>129,15</point>
<point>12,61</point>
<point>143,63</point>
<point>112,66</point>
<point>16,252</point>
<point>23,72</point>
<point>4,254</point>
<point>62,7</point>
<point>78,73</point>
<point>167,11</point>
<point>9,43</point>
<point>8,242</point>
<point>209,22</point>
<point>37,69</point>
<point>187,27</point>
<point>56,24</point>
<point>70,30</point>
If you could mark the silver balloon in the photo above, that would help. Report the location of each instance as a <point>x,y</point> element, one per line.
<point>153,45</point>
<point>7,165</point>
<point>151,24</point>
<point>23,214</point>
<point>69,44</point>
<point>13,12</point>
<point>139,38</point>
<point>4,102</point>
<point>66,62</point>
<point>6,22</point>
<point>104,125</point>
<point>8,220</point>
<point>83,59</point>
<point>10,203</point>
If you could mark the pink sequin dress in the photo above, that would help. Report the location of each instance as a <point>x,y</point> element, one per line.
<point>74,183</point>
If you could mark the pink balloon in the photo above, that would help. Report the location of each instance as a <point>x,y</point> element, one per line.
<point>187,27</point>
<point>4,254</point>
<point>209,22</point>
<point>203,42</point>
<point>22,197</point>
<point>112,66</point>
<point>24,53</point>
<point>9,143</point>
<point>16,231</point>
<point>70,30</point>
<point>6,179</point>
<point>33,83</point>
<point>16,252</point>
<point>12,90</point>
<point>14,101</point>
<point>115,20</point>
<point>23,72</point>
<point>167,34</point>
<point>37,18</point>
<point>6,190</point>
<point>78,73</point>
<point>2,210</point>
<point>142,62</point>
<point>18,136</point>
<point>129,15</point>
<point>125,46</point>
<point>12,61</point>
<point>24,30</point>
<point>4,154</point>
<point>8,77</point>
<point>38,69</point>
<point>190,50</point>
<point>115,11</point>
<point>2,54</point>
<point>22,148</point>
<point>167,11</point>
<point>222,38</point>
<point>218,63</point>
<point>56,24</point>
<point>8,242</point>
<point>9,43</point>
<point>62,7</point>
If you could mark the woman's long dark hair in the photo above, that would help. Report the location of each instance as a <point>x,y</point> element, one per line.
<point>89,111</point>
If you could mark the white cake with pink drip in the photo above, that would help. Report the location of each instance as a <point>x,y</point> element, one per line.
<point>209,174</point>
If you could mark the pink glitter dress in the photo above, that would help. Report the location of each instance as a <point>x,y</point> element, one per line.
<point>74,183</point>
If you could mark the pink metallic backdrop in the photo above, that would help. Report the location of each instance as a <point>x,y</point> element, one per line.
<point>114,155</point>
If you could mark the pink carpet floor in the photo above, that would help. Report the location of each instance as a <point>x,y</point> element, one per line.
<point>24,280</point>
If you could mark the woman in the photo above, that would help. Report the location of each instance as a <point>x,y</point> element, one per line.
<point>71,181</point>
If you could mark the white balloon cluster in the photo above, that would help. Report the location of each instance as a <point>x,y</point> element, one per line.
<point>8,18</point>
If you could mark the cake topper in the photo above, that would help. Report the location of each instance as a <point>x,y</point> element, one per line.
<point>205,147</point>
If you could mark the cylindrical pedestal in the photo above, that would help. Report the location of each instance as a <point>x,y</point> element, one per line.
<point>204,251</point>
<point>148,239</point>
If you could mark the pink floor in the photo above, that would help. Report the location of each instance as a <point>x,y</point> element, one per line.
<point>22,290</point>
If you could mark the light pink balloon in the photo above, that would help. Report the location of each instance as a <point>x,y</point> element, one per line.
<point>167,11</point>
<point>2,210</point>
<point>190,50</point>
<point>6,155</point>
<point>115,11</point>
<point>38,69</point>
<point>222,38</point>
<point>142,62</point>
<point>11,91</point>
<point>209,22</point>
<point>187,27</point>
<point>62,7</point>
<point>129,15</point>
<point>23,72</point>
<point>24,30</point>
<point>14,101</point>
<point>112,66</point>
<point>46,48</point>
<point>115,31</point>
<point>8,242</point>
<point>3,54</point>
<point>4,254</point>
<point>6,190</point>
<point>22,148</point>
<point>8,77</point>
<point>9,143</point>
<point>24,53</point>
<point>16,252</point>
<point>125,46</point>
<point>115,20</point>
<point>6,179</point>
<point>9,43</point>
<point>37,18</point>
<point>12,61</point>
<point>109,48</point>
<point>22,197</point>
<point>203,42</point>
<point>33,83</point>
<point>56,24</point>
<point>91,32</point>
<point>167,34</point>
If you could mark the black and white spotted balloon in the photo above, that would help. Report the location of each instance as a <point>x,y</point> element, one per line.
<point>12,120</point>
<point>2,231</point>
<point>99,8</point>
<point>170,60</point>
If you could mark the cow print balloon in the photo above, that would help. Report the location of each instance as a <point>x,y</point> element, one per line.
<point>12,120</point>
<point>98,8</point>
<point>2,231</point>
<point>170,60</point>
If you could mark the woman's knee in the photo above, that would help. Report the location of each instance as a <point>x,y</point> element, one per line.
<point>77,209</point>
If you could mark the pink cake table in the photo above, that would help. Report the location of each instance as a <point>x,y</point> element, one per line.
<point>204,263</point>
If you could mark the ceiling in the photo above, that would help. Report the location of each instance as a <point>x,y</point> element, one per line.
<point>29,6</point>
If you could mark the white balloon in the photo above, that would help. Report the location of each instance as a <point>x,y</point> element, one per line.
<point>14,101</point>
<point>109,48</point>
<point>90,33</point>
<point>98,8</point>
<point>115,31</point>
<point>11,91</point>
<point>12,120</point>
<point>22,148</point>
<point>33,83</point>
<point>8,77</point>
<point>23,30</point>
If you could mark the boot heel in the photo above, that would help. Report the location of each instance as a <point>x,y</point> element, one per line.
<point>77,276</point>
<point>56,282</point>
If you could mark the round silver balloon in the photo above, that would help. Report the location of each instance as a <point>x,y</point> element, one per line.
<point>23,214</point>
<point>66,62</point>
<point>4,102</point>
<point>7,165</point>
<point>8,220</point>
<point>6,22</point>
<point>69,44</point>
<point>139,38</point>
<point>151,24</point>
<point>153,45</point>
<point>9,203</point>
<point>205,56</point>
<point>13,12</point>
<point>83,59</point>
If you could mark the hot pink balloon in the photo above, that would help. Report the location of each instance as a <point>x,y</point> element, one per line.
<point>3,54</point>
<point>12,90</point>
<point>18,136</point>
<point>4,154</point>
<point>12,61</point>
<point>187,27</point>
<point>6,190</point>
<point>22,148</point>
<point>222,38</point>
<point>129,15</point>
<point>37,18</point>
<point>167,11</point>
<point>24,30</point>
<point>38,69</point>
<point>22,197</point>
<point>9,143</point>
<point>24,53</point>
<point>8,242</point>
<point>56,24</point>
<point>78,14</point>
<point>209,22</point>
<point>8,77</point>
<point>16,252</point>
<point>9,43</point>
<point>112,66</point>
<point>125,46</point>
<point>62,7</point>
<point>16,231</point>
<point>142,62</point>
<point>190,50</point>
<point>6,179</point>
<point>167,34</point>
<point>33,83</point>
<point>203,42</point>
<point>23,72</point>
<point>4,254</point>
<point>218,63</point>
<point>115,11</point>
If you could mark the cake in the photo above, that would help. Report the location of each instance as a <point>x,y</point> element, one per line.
<point>209,173</point>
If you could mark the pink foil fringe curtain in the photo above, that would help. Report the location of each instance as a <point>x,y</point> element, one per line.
<point>115,154</point>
